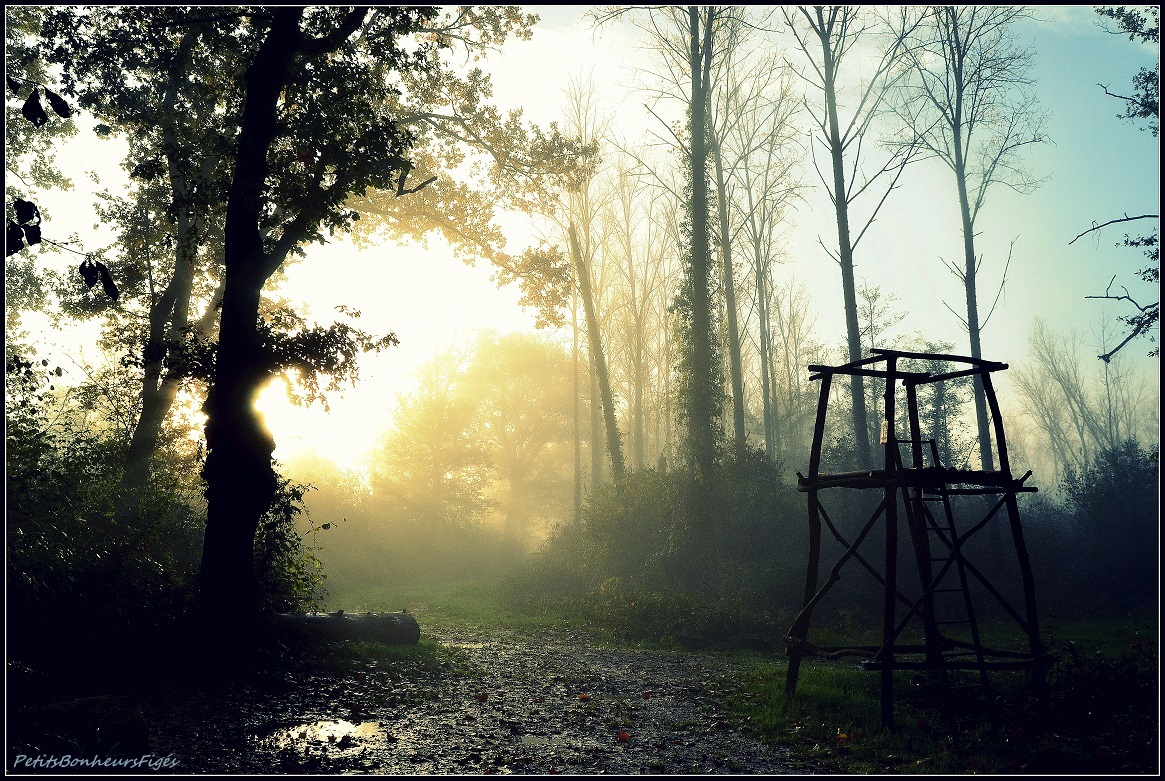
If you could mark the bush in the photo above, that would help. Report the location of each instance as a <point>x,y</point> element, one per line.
<point>289,577</point>
<point>78,577</point>
<point>641,563</point>
<point>81,575</point>
<point>1095,546</point>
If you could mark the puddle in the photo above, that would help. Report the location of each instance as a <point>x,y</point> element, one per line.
<point>335,733</point>
<point>548,741</point>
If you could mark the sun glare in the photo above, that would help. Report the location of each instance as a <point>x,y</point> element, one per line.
<point>342,435</point>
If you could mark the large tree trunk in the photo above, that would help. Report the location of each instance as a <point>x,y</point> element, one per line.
<point>983,424</point>
<point>728,282</point>
<point>701,404</point>
<point>614,442</point>
<point>846,261</point>
<point>239,474</point>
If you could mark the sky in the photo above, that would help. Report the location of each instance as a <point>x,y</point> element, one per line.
<point>1096,167</point>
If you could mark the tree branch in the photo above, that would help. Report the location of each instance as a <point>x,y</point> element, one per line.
<point>1126,218</point>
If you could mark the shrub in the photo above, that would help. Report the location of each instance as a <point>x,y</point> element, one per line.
<point>639,563</point>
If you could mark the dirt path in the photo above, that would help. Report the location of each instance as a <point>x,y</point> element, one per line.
<point>545,701</point>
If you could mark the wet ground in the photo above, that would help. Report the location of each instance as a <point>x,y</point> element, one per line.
<point>534,701</point>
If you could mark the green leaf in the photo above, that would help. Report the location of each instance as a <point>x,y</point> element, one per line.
<point>13,239</point>
<point>58,103</point>
<point>33,111</point>
<point>26,211</point>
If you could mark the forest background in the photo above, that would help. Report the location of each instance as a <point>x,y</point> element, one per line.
<point>477,448</point>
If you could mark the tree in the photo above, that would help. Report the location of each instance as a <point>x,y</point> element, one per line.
<point>1143,104</point>
<point>761,103</point>
<point>1079,413</point>
<point>969,105</point>
<point>827,37</point>
<point>549,277</point>
<point>703,386</point>
<point>523,411</point>
<point>433,469</point>
<point>183,109</point>
<point>794,397</point>
<point>1139,24</point>
<point>177,165</point>
<point>350,144</point>
<point>29,163</point>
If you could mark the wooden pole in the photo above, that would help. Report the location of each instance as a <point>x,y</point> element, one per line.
<point>801,627</point>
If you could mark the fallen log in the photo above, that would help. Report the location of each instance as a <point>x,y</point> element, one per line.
<point>388,628</point>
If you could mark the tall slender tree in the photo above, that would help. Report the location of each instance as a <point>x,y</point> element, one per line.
<point>828,37</point>
<point>970,104</point>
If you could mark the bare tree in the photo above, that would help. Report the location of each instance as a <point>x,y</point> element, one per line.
<point>969,105</point>
<point>687,41</point>
<point>827,36</point>
<point>580,219</point>
<point>760,101</point>
<point>1077,412</point>
<point>794,397</point>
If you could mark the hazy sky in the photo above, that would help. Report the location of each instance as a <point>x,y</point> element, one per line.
<point>1097,167</point>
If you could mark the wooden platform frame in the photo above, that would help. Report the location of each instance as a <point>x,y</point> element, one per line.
<point>919,487</point>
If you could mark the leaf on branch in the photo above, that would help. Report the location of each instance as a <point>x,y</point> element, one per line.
<point>148,170</point>
<point>14,85</point>
<point>58,103</point>
<point>107,281</point>
<point>26,211</point>
<point>89,272</point>
<point>13,239</point>
<point>33,111</point>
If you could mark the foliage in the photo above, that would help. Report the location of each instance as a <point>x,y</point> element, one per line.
<point>309,354</point>
<point>1114,507</point>
<point>1140,24</point>
<point>701,395</point>
<point>288,574</point>
<point>473,468</point>
<point>1095,545</point>
<point>637,562</point>
<point>75,575</point>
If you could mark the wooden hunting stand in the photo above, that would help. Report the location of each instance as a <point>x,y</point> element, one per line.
<point>943,604</point>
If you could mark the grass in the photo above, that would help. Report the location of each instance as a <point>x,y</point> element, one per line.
<point>1100,714</point>
<point>446,604</point>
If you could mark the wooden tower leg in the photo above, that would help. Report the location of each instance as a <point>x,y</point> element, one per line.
<point>1035,644</point>
<point>800,629</point>
<point>889,604</point>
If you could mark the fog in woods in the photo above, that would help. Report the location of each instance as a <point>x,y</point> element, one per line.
<point>660,321</point>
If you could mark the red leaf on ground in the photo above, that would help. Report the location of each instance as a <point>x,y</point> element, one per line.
<point>624,736</point>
